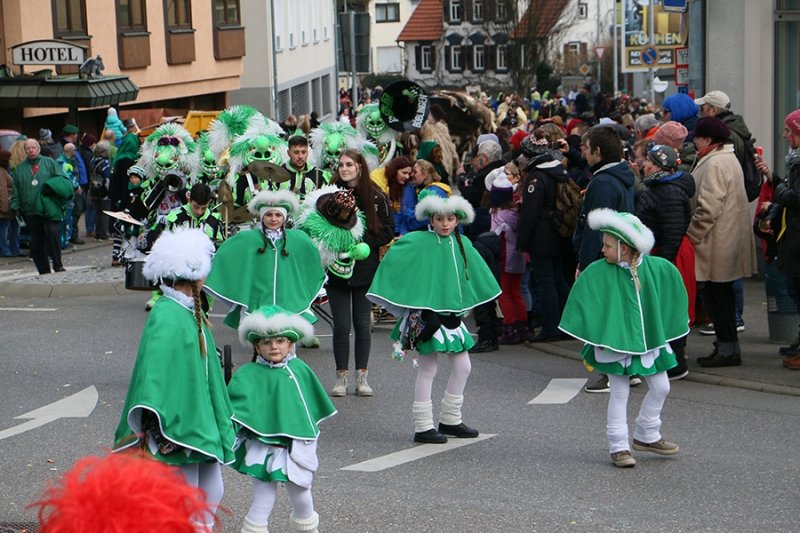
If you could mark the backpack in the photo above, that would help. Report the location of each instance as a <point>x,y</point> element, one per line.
<point>98,184</point>
<point>753,179</point>
<point>569,201</point>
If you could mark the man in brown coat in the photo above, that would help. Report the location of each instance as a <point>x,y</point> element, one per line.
<point>721,233</point>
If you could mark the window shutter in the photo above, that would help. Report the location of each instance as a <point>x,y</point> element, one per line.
<point>418,57</point>
<point>466,11</point>
<point>490,57</point>
<point>446,10</point>
<point>447,62</point>
<point>466,54</point>
<point>566,50</point>
<point>433,57</point>
<point>583,51</point>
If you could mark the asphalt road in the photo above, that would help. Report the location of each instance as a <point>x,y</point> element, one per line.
<point>546,469</point>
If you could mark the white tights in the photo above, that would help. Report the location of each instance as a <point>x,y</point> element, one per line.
<point>648,423</point>
<point>461,367</point>
<point>207,477</point>
<point>264,500</point>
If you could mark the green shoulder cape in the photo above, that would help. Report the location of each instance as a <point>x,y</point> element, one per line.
<point>185,390</point>
<point>246,280</point>
<point>604,308</point>
<point>285,401</point>
<point>424,271</point>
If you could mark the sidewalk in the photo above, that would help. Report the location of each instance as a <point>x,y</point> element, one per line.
<point>89,274</point>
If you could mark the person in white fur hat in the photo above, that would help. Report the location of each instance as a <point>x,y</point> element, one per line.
<point>627,309</point>
<point>177,409</point>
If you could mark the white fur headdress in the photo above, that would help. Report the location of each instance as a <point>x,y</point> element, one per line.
<point>624,226</point>
<point>266,200</point>
<point>273,321</point>
<point>180,254</point>
<point>431,204</point>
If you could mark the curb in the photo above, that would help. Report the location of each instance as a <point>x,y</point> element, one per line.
<point>58,290</point>
<point>698,377</point>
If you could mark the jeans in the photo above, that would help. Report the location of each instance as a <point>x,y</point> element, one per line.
<point>548,272</point>
<point>44,231</point>
<point>91,214</point>
<point>9,237</point>
<point>342,300</point>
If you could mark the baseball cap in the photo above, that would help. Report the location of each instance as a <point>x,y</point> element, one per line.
<point>714,98</point>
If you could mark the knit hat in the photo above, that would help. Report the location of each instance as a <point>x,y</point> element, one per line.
<point>663,156</point>
<point>711,127</point>
<point>714,98</point>
<point>111,112</point>
<point>516,139</point>
<point>69,129</point>
<point>181,254</point>
<point>792,121</point>
<point>624,226</point>
<point>284,201</point>
<point>680,107</point>
<point>501,191</point>
<point>45,134</point>
<point>535,144</point>
<point>136,170</point>
<point>88,139</point>
<point>671,134</point>
<point>432,204</point>
<point>273,321</point>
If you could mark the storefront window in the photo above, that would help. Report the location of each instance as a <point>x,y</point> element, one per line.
<point>787,75</point>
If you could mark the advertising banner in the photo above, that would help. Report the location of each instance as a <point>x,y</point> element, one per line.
<point>670,32</point>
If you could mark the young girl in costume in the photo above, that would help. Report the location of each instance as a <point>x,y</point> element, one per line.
<point>435,277</point>
<point>268,265</point>
<point>177,408</point>
<point>346,295</point>
<point>278,403</point>
<point>627,309</point>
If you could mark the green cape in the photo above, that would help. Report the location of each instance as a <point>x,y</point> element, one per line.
<point>287,401</point>
<point>604,309</point>
<point>424,271</point>
<point>128,149</point>
<point>245,279</point>
<point>186,390</point>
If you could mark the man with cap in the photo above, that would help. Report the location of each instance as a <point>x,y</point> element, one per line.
<point>787,196</point>
<point>717,104</point>
<point>722,235</point>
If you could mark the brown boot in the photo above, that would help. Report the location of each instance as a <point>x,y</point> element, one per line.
<point>792,362</point>
<point>522,330</point>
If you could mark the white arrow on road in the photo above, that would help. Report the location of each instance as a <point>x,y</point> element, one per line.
<point>79,405</point>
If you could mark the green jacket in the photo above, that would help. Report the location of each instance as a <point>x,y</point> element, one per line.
<point>25,191</point>
<point>53,205</point>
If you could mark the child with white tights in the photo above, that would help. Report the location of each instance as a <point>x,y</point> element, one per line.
<point>627,308</point>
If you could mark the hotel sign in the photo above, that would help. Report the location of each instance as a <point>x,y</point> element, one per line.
<point>48,53</point>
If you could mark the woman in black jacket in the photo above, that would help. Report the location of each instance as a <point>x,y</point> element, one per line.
<point>345,295</point>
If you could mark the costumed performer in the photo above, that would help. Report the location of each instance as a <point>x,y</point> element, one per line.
<point>278,404</point>
<point>431,279</point>
<point>268,265</point>
<point>177,408</point>
<point>627,309</point>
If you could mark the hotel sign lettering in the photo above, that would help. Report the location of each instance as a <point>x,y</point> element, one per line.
<point>48,53</point>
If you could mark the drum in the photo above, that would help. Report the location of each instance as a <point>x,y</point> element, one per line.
<point>134,276</point>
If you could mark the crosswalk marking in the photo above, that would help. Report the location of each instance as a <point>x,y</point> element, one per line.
<point>559,391</point>
<point>412,454</point>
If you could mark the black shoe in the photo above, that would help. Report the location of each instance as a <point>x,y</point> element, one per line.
<point>77,240</point>
<point>794,347</point>
<point>60,269</point>
<point>601,385</point>
<point>430,437</point>
<point>482,347</point>
<point>495,345</point>
<point>679,372</point>
<point>461,431</point>
<point>716,360</point>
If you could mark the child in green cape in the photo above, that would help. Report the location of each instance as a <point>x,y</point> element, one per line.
<point>278,403</point>
<point>627,309</point>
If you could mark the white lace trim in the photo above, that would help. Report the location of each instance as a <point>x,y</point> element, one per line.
<point>186,301</point>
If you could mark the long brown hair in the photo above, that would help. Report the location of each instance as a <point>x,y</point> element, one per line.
<point>365,192</point>
<point>431,176</point>
<point>395,189</point>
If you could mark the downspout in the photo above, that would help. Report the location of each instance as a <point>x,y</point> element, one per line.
<point>274,62</point>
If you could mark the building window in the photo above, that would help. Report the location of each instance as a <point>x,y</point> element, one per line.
<point>292,25</point>
<point>574,47</point>
<point>478,57</point>
<point>425,58</point>
<point>279,38</point>
<point>70,17</point>
<point>583,10</point>
<point>316,96</point>
<point>179,13</point>
<point>304,20</point>
<point>455,58</point>
<point>283,105</point>
<point>477,10</point>
<point>455,10</point>
<point>387,12</point>
<point>227,13</point>
<point>315,12</point>
<point>132,16</point>
<point>327,108</point>
<point>502,10</point>
<point>301,103</point>
<point>501,57</point>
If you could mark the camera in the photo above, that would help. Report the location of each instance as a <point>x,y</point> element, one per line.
<point>555,145</point>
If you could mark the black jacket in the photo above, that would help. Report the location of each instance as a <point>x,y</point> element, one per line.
<point>535,232</point>
<point>664,208</point>
<point>787,195</point>
<point>474,189</point>
<point>364,270</point>
<point>490,248</point>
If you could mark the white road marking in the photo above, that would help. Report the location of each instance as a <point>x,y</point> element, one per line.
<point>559,391</point>
<point>79,405</point>
<point>413,454</point>
<point>28,309</point>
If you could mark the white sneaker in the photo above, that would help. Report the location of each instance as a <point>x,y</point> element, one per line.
<point>340,389</point>
<point>362,387</point>
<point>635,380</point>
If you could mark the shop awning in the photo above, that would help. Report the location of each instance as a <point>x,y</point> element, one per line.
<point>65,91</point>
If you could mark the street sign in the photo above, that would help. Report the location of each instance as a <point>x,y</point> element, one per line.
<point>585,69</point>
<point>599,51</point>
<point>682,76</point>
<point>683,90</point>
<point>650,55</point>
<point>674,5</point>
<point>682,57</point>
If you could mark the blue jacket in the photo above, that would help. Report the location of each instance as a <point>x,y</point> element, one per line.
<point>406,217</point>
<point>611,186</point>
